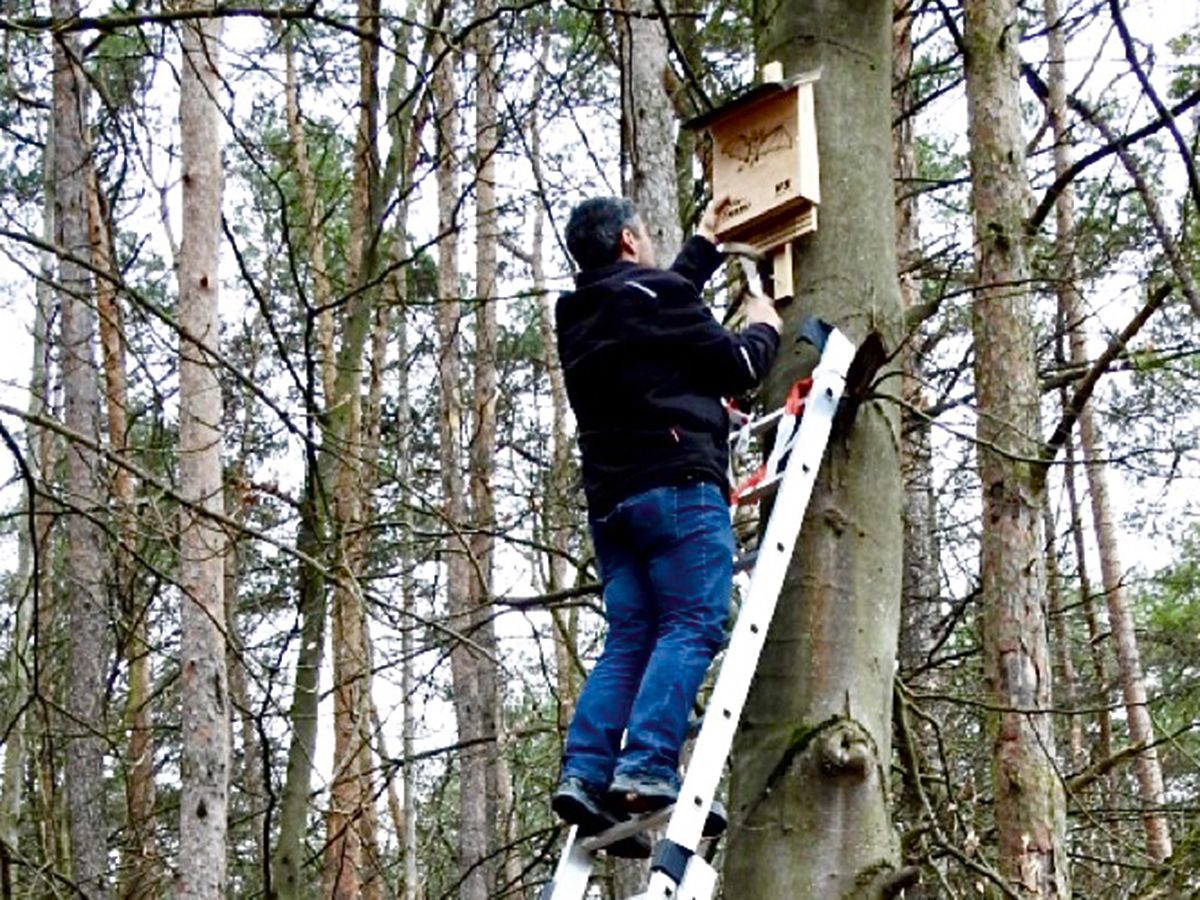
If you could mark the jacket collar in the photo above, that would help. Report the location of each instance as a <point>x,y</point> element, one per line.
<point>593,276</point>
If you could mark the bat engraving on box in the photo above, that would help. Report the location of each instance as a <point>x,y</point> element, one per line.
<point>752,146</point>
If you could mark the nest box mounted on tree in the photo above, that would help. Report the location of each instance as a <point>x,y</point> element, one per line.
<point>765,159</point>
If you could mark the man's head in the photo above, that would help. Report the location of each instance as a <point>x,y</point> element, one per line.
<point>605,229</point>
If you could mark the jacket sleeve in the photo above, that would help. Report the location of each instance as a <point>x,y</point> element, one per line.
<point>723,363</point>
<point>697,260</point>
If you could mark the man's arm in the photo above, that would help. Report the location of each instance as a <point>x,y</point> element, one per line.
<point>699,258</point>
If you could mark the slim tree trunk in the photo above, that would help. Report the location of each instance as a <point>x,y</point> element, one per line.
<point>204,687</point>
<point>138,878</point>
<point>483,431</point>
<point>560,494</point>
<point>475,825</point>
<point>87,603</point>
<point>287,878</point>
<point>810,767</point>
<point>350,822</point>
<point>1030,810</point>
<point>30,580</point>
<point>1133,685</point>
<point>648,124</point>
<point>922,567</point>
<point>1096,632</point>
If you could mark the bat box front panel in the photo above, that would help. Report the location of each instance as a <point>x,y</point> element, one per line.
<point>765,158</point>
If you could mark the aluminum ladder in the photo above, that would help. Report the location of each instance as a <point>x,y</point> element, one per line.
<point>676,871</point>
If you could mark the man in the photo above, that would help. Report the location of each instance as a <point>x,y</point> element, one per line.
<point>646,367</point>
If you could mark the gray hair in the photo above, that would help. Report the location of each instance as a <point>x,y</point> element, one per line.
<point>594,230</point>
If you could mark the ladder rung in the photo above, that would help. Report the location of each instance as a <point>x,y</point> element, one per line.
<point>762,489</point>
<point>626,829</point>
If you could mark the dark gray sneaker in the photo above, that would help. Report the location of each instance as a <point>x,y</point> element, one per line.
<point>638,796</point>
<point>579,804</point>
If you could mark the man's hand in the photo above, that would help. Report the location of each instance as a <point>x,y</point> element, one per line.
<point>760,309</point>
<point>707,228</point>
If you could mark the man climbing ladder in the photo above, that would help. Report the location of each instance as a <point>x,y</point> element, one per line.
<point>646,366</point>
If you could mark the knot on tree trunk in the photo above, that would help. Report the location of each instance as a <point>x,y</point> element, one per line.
<point>845,749</point>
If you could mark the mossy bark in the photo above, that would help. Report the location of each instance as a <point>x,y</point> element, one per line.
<point>810,814</point>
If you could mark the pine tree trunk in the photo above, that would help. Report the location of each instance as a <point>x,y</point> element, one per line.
<point>1133,685</point>
<point>287,877</point>
<point>138,878</point>
<point>811,762</point>
<point>648,125</point>
<point>471,707</point>
<point>483,434</point>
<point>560,493</point>
<point>349,822</point>
<point>30,580</point>
<point>922,566</point>
<point>1030,812</point>
<point>203,684</point>
<point>86,599</point>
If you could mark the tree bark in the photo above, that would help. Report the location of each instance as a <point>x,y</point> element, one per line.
<point>560,492</point>
<point>648,125</point>
<point>810,767</point>
<point>349,824</point>
<point>138,877</point>
<point>471,707</point>
<point>1133,684</point>
<point>1030,812</point>
<point>287,878</point>
<point>87,602</point>
<point>204,687</point>
<point>32,545</point>
<point>921,581</point>
<point>483,435</point>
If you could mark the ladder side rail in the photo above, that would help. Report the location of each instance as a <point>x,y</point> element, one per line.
<point>574,869</point>
<point>749,635</point>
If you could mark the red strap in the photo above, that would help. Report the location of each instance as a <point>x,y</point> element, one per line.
<point>748,484</point>
<point>797,395</point>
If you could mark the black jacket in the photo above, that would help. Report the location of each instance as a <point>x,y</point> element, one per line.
<point>646,366</point>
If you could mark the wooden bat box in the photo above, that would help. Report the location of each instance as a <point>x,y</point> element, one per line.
<point>765,158</point>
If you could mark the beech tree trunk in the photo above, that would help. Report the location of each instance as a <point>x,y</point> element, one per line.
<point>648,124</point>
<point>86,596</point>
<point>1030,810</point>
<point>811,761</point>
<point>204,686</point>
<point>1133,684</point>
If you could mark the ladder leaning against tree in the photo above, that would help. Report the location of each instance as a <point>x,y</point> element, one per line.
<point>805,423</point>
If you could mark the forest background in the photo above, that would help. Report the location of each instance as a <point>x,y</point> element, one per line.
<point>297,586</point>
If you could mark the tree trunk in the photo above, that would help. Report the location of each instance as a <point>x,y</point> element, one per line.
<point>483,439</point>
<point>1133,685</point>
<point>471,707</point>
<point>204,688</point>
<point>30,580</point>
<point>138,877</point>
<point>648,125</point>
<point>287,877</point>
<point>921,578</point>
<point>87,602</point>
<point>404,421</point>
<point>559,498</point>
<point>1030,814</point>
<point>810,765</point>
<point>349,823</point>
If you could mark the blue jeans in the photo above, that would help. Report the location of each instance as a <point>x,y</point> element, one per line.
<point>666,563</point>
